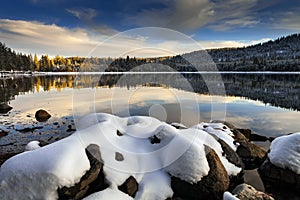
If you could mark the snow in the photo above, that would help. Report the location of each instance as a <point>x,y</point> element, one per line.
<point>179,152</point>
<point>155,185</point>
<point>285,152</point>
<point>220,131</point>
<point>229,196</point>
<point>60,164</point>
<point>109,194</point>
<point>32,145</point>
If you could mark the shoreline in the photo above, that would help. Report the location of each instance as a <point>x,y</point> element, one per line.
<point>4,74</point>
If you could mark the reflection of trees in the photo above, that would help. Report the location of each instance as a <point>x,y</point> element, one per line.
<point>278,90</point>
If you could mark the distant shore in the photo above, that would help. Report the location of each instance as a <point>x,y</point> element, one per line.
<point>36,73</point>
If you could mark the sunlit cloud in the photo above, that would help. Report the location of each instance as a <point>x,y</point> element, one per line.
<point>230,43</point>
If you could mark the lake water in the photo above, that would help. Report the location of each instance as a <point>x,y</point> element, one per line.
<point>268,104</point>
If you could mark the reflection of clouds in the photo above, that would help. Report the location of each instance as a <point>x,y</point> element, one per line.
<point>266,120</point>
<point>179,105</point>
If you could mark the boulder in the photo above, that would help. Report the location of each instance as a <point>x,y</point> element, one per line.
<point>80,189</point>
<point>247,192</point>
<point>251,154</point>
<point>42,115</point>
<point>4,108</point>
<point>130,186</point>
<point>211,186</point>
<point>278,177</point>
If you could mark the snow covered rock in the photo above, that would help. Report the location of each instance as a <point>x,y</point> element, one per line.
<point>79,190</point>
<point>32,145</point>
<point>211,186</point>
<point>247,192</point>
<point>251,154</point>
<point>156,156</point>
<point>282,168</point>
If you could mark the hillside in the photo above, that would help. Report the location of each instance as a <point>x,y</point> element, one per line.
<point>282,54</point>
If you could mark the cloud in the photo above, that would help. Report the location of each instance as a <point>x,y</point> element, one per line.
<point>288,20</point>
<point>230,43</point>
<point>178,15</point>
<point>186,15</point>
<point>36,37</point>
<point>85,14</point>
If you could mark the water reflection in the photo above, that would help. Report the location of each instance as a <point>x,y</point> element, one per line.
<point>281,90</point>
<point>55,93</point>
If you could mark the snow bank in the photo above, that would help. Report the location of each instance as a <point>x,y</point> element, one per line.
<point>32,145</point>
<point>229,196</point>
<point>285,152</point>
<point>142,147</point>
<point>109,194</point>
<point>37,174</point>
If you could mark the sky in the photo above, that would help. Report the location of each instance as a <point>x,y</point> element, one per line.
<point>117,27</point>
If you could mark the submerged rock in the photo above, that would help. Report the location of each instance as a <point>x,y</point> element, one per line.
<point>4,108</point>
<point>247,192</point>
<point>211,186</point>
<point>42,115</point>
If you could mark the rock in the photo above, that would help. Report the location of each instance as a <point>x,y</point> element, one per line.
<point>28,129</point>
<point>211,186</point>
<point>233,158</point>
<point>256,137</point>
<point>278,177</point>
<point>3,133</point>
<point>178,125</point>
<point>119,156</point>
<point>251,154</point>
<point>130,186</point>
<point>70,129</point>
<point>80,189</point>
<point>247,192</point>
<point>238,136</point>
<point>4,108</point>
<point>246,132</point>
<point>42,115</point>
<point>43,143</point>
<point>229,125</point>
<point>119,133</point>
<point>154,140</point>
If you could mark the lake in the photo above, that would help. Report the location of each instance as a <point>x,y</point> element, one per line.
<point>268,104</point>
